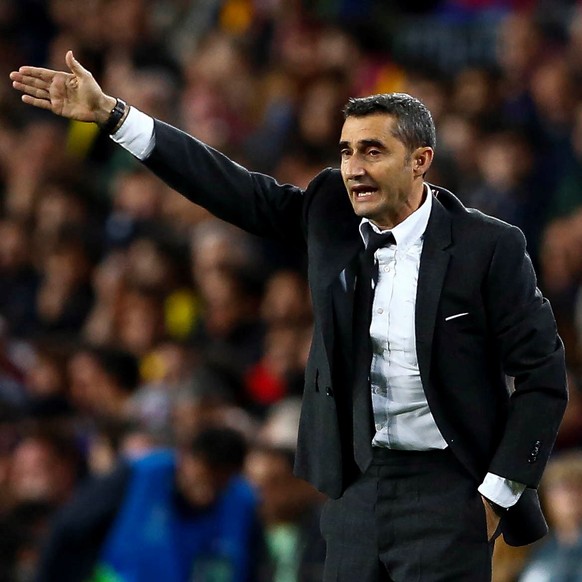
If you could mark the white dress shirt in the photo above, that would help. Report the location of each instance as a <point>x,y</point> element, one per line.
<point>401,413</point>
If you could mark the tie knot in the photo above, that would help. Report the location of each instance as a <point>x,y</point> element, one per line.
<point>377,240</point>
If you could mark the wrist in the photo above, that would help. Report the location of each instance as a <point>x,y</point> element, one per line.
<point>116,117</point>
<point>499,510</point>
<point>103,110</point>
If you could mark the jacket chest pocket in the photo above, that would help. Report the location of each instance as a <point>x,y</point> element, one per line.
<point>462,321</point>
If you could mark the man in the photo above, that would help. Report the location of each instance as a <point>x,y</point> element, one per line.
<point>559,558</point>
<point>169,517</point>
<point>290,509</point>
<point>420,473</point>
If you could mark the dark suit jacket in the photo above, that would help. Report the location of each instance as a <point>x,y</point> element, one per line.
<point>470,263</point>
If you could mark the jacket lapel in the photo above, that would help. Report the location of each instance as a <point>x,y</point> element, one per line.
<point>434,261</point>
<point>339,279</point>
<point>337,275</point>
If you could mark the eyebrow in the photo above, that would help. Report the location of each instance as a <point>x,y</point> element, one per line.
<point>363,144</point>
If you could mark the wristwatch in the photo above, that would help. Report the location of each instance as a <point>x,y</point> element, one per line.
<point>115,117</point>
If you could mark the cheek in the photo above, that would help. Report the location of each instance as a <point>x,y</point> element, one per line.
<point>344,177</point>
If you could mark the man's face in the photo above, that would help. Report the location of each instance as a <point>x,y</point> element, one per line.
<point>198,482</point>
<point>383,179</point>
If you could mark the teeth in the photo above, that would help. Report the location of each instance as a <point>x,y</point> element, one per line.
<point>361,194</point>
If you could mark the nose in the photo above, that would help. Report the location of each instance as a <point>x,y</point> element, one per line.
<point>352,168</point>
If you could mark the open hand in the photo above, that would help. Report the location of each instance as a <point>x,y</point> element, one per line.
<point>75,95</point>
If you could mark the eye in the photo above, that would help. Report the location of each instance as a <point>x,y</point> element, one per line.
<point>344,153</point>
<point>373,152</point>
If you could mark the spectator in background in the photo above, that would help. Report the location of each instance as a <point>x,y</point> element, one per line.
<point>218,91</point>
<point>568,195</point>
<point>103,380</point>
<point>279,372</point>
<point>13,394</point>
<point>231,333</point>
<point>290,510</point>
<point>171,366</point>
<point>45,378</point>
<point>109,282</point>
<point>228,273</point>
<point>38,477</point>
<point>148,265</point>
<point>476,93</point>
<point>170,516</point>
<point>114,440</point>
<point>210,396</point>
<point>509,186</point>
<point>570,433</point>
<point>22,533</point>
<point>216,246</point>
<point>554,95</point>
<point>65,295</point>
<point>559,558</point>
<point>102,383</point>
<point>139,322</point>
<point>135,205</point>
<point>519,48</point>
<point>37,157</point>
<point>286,299</point>
<point>20,281</point>
<point>459,137</point>
<point>45,467</point>
<point>60,209</point>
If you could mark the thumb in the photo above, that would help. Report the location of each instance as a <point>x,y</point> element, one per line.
<point>74,65</point>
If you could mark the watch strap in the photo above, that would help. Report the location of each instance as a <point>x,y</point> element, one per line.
<point>115,117</point>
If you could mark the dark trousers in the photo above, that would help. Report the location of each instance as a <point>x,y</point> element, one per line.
<point>412,516</point>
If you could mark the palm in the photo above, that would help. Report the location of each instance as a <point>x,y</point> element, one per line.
<point>70,97</point>
<point>75,95</point>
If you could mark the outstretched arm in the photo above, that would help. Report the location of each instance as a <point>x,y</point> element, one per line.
<point>252,201</point>
<point>75,95</point>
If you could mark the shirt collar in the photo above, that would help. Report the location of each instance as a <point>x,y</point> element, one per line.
<point>410,229</point>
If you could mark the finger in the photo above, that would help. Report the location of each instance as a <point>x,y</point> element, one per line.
<point>74,65</point>
<point>38,72</point>
<point>30,81</point>
<point>40,93</point>
<point>42,103</point>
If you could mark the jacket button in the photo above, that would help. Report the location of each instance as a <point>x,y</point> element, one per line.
<point>328,391</point>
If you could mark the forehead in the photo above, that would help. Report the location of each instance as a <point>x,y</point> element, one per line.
<point>378,126</point>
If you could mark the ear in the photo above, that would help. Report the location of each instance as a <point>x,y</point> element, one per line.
<point>421,160</point>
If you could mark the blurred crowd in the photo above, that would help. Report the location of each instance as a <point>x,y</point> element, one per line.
<point>131,319</point>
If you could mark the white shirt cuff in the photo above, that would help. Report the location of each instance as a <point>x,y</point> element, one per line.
<point>501,491</point>
<point>136,134</point>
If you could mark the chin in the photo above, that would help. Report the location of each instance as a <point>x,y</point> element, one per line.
<point>363,210</point>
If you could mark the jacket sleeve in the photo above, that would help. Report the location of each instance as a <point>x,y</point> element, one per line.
<point>73,543</point>
<point>252,201</point>
<point>532,354</point>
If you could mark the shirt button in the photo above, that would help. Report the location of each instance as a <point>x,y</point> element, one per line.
<point>386,269</point>
<point>380,311</point>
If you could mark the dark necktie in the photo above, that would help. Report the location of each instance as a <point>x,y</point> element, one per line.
<point>362,399</point>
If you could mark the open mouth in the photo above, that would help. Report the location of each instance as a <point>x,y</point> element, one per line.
<point>363,191</point>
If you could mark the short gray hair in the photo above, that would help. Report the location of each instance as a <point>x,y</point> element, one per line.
<point>414,127</point>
